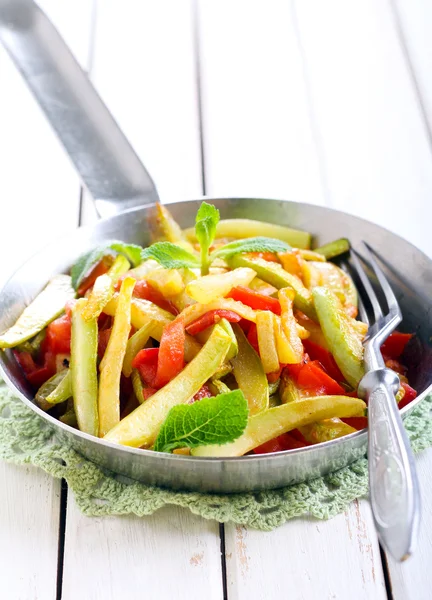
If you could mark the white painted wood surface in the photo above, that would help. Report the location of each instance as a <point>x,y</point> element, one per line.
<point>172,554</point>
<point>300,100</point>
<point>306,559</point>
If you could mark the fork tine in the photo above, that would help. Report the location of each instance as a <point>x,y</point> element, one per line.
<point>390,297</point>
<point>367,285</point>
<point>361,307</point>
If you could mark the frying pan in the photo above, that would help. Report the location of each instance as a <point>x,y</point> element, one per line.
<point>125,196</point>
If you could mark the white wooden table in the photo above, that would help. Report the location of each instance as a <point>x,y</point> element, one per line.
<point>325,102</point>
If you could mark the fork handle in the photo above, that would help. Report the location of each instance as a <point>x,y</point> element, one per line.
<point>394,489</point>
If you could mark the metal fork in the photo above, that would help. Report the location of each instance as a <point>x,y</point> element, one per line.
<point>394,489</point>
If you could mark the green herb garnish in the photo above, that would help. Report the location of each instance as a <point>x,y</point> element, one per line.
<point>218,420</point>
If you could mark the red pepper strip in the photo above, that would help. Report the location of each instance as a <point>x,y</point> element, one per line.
<point>410,394</point>
<point>171,352</point>
<point>325,357</point>
<point>269,256</point>
<point>255,300</point>
<point>147,392</point>
<point>280,443</point>
<point>253,337</point>
<point>146,362</point>
<point>272,377</point>
<point>294,370</point>
<point>99,269</point>
<point>103,338</point>
<point>146,291</point>
<point>358,423</point>
<point>35,374</point>
<point>210,318</point>
<point>313,380</point>
<point>204,392</point>
<point>245,325</point>
<point>395,344</point>
<point>58,336</point>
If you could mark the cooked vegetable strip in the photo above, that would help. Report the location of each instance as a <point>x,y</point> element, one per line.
<point>210,318</point>
<point>48,305</point>
<point>289,325</point>
<point>168,282</point>
<point>249,374</point>
<point>273,422</point>
<point>310,255</point>
<point>83,369</point>
<point>141,427</point>
<point>277,276</point>
<point>137,386</point>
<point>334,248</point>
<point>255,300</point>
<point>169,229</point>
<point>54,391</point>
<point>323,431</point>
<point>171,353</point>
<point>111,364</point>
<point>210,287</point>
<point>193,312</point>
<point>247,228</point>
<point>285,351</point>
<point>267,341</point>
<point>135,344</point>
<point>343,341</point>
<point>101,293</point>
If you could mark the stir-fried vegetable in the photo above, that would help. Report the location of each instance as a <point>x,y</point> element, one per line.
<point>233,338</point>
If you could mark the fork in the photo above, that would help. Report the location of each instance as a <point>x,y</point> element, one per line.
<point>394,489</point>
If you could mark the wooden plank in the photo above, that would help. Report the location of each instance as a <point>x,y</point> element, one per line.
<point>259,139</point>
<point>40,194</point>
<point>29,521</point>
<point>306,559</point>
<point>412,580</point>
<point>374,143</point>
<point>171,554</point>
<point>144,70</point>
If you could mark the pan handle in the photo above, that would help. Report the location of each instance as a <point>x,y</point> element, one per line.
<point>106,162</point>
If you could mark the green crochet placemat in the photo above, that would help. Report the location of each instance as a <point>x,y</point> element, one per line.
<point>25,438</point>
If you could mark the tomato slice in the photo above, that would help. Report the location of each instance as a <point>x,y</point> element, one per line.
<point>58,335</point>
<point>255,300</point>
<point>171,352</point>
<point>326,359</point>
<point>395,344</point>
<point>210,318</point>
<point>146,362</point>
<point>410,394</point>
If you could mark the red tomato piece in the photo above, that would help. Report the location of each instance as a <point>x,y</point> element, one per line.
<point>147,392</point>
<point>326,359</point>
<point>253,337</point>
<point>410,394</point>
<point>146,362</point>
<point>255,300</point>
<point>358,423</point>
<point>315,382</point>
<point>395,344</point>
<point>210,318</point>
<point>204,392</point>
<point>286,441</point>
<point>171,352</point>
<point>36,374</point>
<point>245,325</point>
<point>100,268</point>
<point>58,335</point>
<point>103,338</point>
<point>145,291</point>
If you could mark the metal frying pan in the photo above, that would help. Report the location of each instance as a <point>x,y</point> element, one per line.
<point>124,192</point>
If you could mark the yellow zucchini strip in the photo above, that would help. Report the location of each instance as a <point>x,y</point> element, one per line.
<point>103,288</point>
<point>135,344</point>
<point>141,427</point>
<point>111,363</point>
<point>267,425</point>
<point>246,228</point>
<point>267,341</point>
<point>46,307</point>
<point>210,287</point>
<point>249,374</point>
<point>289,324</point>
<point>83,369</point>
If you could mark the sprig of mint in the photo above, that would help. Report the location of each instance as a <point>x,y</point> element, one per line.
<point>87,261</point>
<point>206,221</point>
<point>170,256</point>
<point>217,420</point>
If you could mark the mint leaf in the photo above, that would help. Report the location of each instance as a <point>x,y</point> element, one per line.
<point>87,261</point>
<point>216,420</point>
<point>170,256</point>
<point>256,244</point>
<point>206,221</point>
